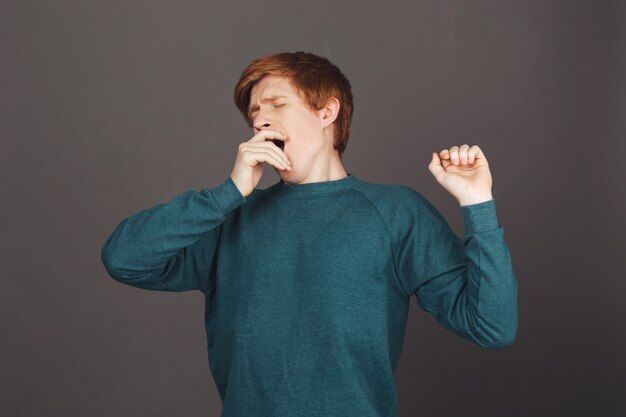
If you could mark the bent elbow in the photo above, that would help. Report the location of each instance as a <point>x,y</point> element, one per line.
<point>108,261</point>
<point>114,267</point>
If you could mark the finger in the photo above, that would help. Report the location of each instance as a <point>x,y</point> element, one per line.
<point>253,156</point>
<point>273,148</point>
<point>265,134</point>
<point>435,165</point>
<point>273,136</point>
<point>276,162</point>
<point>471,154</point>
<point>463,159</point>
<point>444,154</point>
<point>478,153</point>
<point>454,155</point>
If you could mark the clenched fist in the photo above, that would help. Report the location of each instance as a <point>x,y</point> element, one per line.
<point>464,172</point>
<point>248,168</point>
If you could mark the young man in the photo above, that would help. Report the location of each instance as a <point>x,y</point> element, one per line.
<point>308,282</point>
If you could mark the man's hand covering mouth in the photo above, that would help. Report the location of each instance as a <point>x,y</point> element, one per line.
<point>279,143</point>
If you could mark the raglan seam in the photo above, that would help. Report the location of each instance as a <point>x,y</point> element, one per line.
<point>393,252</point>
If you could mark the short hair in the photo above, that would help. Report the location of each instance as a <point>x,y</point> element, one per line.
<point>315,77</point>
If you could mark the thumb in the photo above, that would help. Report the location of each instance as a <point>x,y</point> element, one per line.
<point>435,165</point>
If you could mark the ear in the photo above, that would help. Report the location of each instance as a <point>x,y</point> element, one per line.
<point>328,114</point>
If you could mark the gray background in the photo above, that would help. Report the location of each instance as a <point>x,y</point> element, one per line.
<point>110,107</point>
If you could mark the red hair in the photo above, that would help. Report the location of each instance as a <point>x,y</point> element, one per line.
<point>313,76</point>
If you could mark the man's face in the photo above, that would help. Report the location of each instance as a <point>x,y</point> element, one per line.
<point>288,114</point>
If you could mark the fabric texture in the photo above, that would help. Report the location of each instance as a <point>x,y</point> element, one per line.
<point>307,286</point>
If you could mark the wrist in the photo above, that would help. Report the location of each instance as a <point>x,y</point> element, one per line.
<point>475,199</point>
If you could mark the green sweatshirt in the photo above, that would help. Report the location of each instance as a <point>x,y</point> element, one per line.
<point>307,286</point>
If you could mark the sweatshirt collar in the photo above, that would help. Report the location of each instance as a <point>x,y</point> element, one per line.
<point>315,188</point>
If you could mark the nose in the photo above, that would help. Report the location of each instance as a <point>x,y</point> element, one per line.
<point>259,127</point>
<point>261,122</point>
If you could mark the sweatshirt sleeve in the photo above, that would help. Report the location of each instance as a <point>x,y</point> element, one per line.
<point>171,246</point>
<point>467,284</point>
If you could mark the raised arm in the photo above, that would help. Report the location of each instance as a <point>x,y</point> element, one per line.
<point>468,285</point>
<point>170,247</point>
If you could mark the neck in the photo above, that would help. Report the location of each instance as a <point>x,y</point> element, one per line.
<point>324,169</point>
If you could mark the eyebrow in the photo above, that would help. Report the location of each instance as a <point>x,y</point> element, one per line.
<point>255,107</point>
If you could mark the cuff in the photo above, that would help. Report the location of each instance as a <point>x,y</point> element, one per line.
<point>227,195</point>
<point>480,217</point>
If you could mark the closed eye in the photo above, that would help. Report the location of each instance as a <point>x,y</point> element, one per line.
<point>278,105</point>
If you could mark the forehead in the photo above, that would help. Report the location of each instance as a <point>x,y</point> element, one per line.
<point>272,85</point>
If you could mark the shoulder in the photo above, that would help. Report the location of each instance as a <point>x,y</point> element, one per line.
<point>401,207</point>
<point>391,197</point>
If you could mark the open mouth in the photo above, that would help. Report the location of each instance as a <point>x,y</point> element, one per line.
<point>279,143</point>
